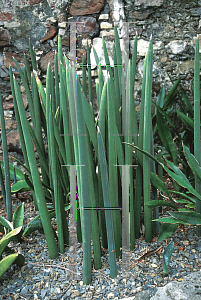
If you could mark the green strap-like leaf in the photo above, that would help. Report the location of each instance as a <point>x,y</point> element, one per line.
<point>166,136</point>
<point>20,186</point>
<point>185,196</point>
<point>18,172</point>
<point>166,230</point>
<point>6,262</point>
<point>6,223</point>
<point>166,258</point>
<point>7,238</point>
<point>170,97</point>
<point>156,203</point>
<point>193,163</point>
<point>191,218</point>
<point>187,100</point>
<point>18,216</point>
<point>162,111</point>
<point>186,120</point>
<point>158,183</point>
<point>177,170</point>
<point>181,181</point>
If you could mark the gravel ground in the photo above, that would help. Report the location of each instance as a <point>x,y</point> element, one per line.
<point>43,278</point>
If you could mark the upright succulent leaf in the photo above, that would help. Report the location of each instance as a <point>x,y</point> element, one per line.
<point>166,258</point>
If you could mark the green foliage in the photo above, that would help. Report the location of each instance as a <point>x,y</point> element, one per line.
<point>36,223</point>
<point>166,258</point>
<point>18,217</point>
<point>8,260</point>
<point>168,120</point>
<point>100,148</point>
<point>179,217</point>
<point>7,189</point>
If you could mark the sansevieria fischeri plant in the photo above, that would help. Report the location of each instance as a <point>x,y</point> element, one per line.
<point>98,147</point>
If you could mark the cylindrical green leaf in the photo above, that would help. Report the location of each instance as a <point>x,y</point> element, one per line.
<point>6,164</point>
<point>84,191</point>
<point>108,204</point>
<point>36,177</point>
<point>147,143</point>
<point>197,142</point>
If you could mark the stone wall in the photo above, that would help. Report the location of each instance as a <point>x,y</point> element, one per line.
<point>174,26</point>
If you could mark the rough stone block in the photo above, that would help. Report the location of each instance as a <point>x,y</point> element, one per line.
<point>189,288</point>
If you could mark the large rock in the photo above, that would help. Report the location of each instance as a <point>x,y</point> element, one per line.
<point>51,32</point>
<point>142,46</point>
<point>47,58</point>
<point>13,141</point>
<point>116,10</point>
<point>141,15</point>
<point>189,288</point>
<point>176,46</point>
<point>86,7</point>
<point>144,295</point>
<point>30,23</point>
<point>187,66</point>
<point>86,26</point>
<point>6,16</point>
